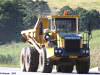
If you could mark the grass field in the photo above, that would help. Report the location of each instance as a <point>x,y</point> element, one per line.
<point>87,4</point>
<point>10,53</point>
<point>95,48</point>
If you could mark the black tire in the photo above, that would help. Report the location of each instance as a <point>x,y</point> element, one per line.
<point>58,68</point>
<point>45,65</point>
<point>22,60</point>
<point>67,68</point>
<point>82,67</point>
<point>31,60</point>
<point>48,67</point>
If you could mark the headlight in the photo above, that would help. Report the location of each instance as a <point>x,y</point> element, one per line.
<point>60,51</point>
<point>83,51</point>
<point>87,51</point>
<point>56,51</point>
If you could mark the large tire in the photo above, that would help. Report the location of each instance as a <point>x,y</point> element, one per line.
<point>31,60</point>
<point>22,60</point>
<point>58,68</point>
<point>83,66</point>
<point>48,67</point>
<point>45,65</point>
<point>67,68</point>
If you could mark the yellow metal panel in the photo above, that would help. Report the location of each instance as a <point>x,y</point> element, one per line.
<point>63,45</point>
<point>50,52</point>
<point>58,40</point>
<point>54,35</point>
<point>81,44</point>
<point>67,16</point>
<point>45,23</point>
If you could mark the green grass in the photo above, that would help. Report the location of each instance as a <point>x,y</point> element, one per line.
<point>95,48</point>
<point>10,53</point>
<point>87,4</point>
<point>10,65</point>
<point>95,41</point>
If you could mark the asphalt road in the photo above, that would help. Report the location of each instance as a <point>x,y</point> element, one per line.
<point>16,71</point>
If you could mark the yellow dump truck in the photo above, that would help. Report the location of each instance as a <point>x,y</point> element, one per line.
<point>56,40</point>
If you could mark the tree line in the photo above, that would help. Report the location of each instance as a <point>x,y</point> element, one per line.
<point>87,17</point>
<point>17,15</point>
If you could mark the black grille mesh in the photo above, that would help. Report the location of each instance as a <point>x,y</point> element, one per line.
<point>72,45</point>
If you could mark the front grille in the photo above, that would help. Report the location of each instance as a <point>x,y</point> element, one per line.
<point>72,45</point>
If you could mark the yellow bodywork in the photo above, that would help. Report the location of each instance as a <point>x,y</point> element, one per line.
<point>60,41</point>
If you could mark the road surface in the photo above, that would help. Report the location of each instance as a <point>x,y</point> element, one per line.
<point>16,71</point>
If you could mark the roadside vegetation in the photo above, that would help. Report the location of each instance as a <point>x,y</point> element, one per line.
<point>10,54</point>
<point>95,49</point>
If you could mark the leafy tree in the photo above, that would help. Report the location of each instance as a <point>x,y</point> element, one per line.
<point>89,20</point>
<point>28,19</point>
<point>79,11</point>
<point>17,15</point>
<point>11,19</point>
<point>70,10</point>
<point>95,19</point>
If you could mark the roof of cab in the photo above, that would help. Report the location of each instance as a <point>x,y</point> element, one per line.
<point>67,16</point>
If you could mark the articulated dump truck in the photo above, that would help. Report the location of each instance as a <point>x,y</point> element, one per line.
<point>56,40</point>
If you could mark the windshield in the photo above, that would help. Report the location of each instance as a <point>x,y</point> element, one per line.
<point>65,24</point>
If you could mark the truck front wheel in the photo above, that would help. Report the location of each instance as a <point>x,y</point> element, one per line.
<point>58,68</point>
<point>82,66</point>
<point>45,65</point>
